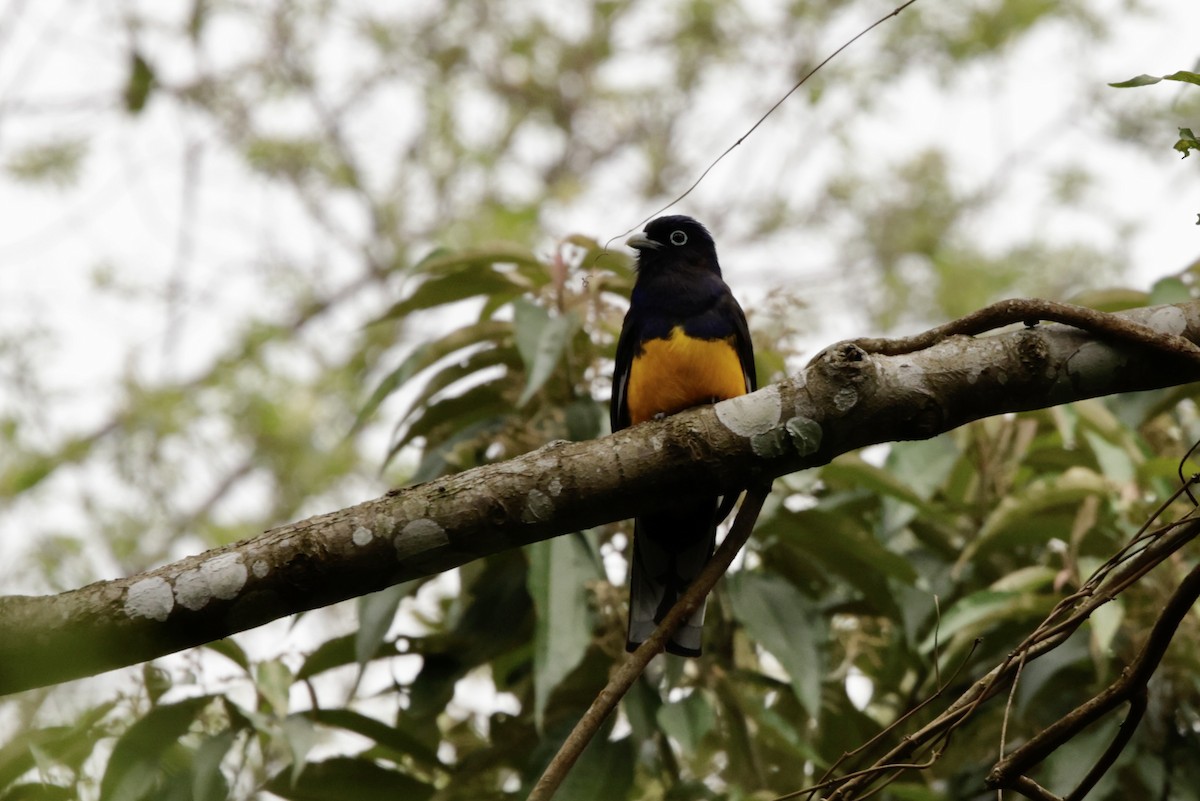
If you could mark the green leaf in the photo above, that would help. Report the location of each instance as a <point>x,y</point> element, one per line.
<point>1187,142</point>
<point>1031,578</point>
<point>65,746</point>
<point>442,458</point>
<point>141,81</point>
<point>1024,508</point>
<point>982,611</point>
<point>1114,461</point>
<point>1171,289</point>
<point>1111,299</point>
<point>1184,76</point>
<point>397,740</point>
<point>470,277</point>
<point>300,736</point>
<point>781,619</point>
<point>911,474</point>
<point>604,771</point>
<point>445,260</point>
<point>541,340</point>
<point>687,720</point>
<point>39,791</point>
<point>208,782</point>
<point>914,792</point>
<point>559,569</point>
<point>841,547</point>
<point>136,767</point>
<point>467,370</point>
<point>283,156</point>
<point>343,778</point>
<point>487,400</point>
<point>55,162</point>
<point>585,418</point>
<point>274,684</point>
<point>426,355</point>
<point>229,649</point>
<point>641,705</point>
<point>1140,80</point>
<point>376,611</point>
<point>341,651</point>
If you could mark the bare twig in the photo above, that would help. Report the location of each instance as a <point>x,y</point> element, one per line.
<point>826,781</point>
<point>1031,311</point>
<point>1124,569</point>
<point>628,673</point>
<point>1131,687</point>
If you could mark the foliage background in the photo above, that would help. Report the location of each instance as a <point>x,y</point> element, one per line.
<point>255,251</point>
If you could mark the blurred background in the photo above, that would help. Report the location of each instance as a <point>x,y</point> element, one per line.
<point>262,260</point>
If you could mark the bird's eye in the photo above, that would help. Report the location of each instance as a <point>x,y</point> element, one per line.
<point>678,238</point>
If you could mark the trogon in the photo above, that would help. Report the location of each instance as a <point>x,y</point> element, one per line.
<point>684,343</point>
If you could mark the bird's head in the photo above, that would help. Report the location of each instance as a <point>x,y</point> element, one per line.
<point>674,241</point>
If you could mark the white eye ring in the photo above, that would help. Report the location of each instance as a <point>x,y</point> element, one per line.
<point>678,238</point>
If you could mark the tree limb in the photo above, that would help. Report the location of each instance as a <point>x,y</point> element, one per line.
<point>846,399</point>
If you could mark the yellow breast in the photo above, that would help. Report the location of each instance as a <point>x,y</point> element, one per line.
<point>679,372</point>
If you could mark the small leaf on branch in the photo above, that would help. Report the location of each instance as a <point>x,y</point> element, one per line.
<point>1187,142</point>
<point>1184,76</point>
<point>1140,80</point>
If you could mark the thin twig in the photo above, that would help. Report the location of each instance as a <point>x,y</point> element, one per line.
<point>1042,641</point>
<point>1132,682</point>
<point>1031,311</point>
<point>628,673</point>
<point>895,724</point>
<point>1012,695</point>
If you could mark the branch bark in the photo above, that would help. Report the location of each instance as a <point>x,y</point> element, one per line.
<point>846,399</point>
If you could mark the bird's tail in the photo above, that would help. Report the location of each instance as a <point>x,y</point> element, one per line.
<point>669,550</point>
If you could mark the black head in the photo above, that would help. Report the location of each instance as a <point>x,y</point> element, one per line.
<point>674,242</point>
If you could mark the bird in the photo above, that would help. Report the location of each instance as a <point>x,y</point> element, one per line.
<point>684,343</point>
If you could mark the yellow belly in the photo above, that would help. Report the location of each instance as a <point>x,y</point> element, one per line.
<point>674,374</point>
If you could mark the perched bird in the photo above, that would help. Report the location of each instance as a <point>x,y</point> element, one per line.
<point>684,343</point>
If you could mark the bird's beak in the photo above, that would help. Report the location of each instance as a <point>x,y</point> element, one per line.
<point>640,241</point>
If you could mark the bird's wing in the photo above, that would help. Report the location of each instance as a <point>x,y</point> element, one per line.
<point>618,409</point>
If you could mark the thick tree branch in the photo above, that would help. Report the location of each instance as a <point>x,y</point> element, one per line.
<point>846,399</point>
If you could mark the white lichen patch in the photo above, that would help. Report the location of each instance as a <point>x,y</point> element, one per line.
<point>751,414</point>
<point>150,598</point>
<point>538,507</point>
<point>226,575</point>
<point>260,568</point>
<point>220,577</point>
<point>1169,320</point>
<point>191,590</point>
<point>555,487</point>
<point>845,399</point>
<point>418,536</point>
<point>362,536</point>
